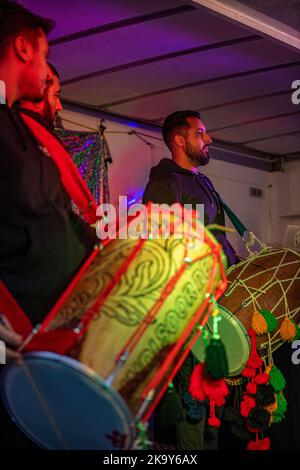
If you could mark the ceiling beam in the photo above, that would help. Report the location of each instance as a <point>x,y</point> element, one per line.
<point>253,19</point>
<point>160,58</point>
<point>274,136</point>
<point>227,104</point>
<point>243,160</point>
<point>290,157</point>
<point>246,152</point>
<point>122,24</point>
<point>253,121</point>
<point>207,81</point>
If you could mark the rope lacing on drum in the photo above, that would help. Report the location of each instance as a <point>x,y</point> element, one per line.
<point>255,292</point>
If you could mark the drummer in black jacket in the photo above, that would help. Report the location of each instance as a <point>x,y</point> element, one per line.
<point>40,246</point>
<point>46,112</point>
<point>40,250</point>
<point>179,181</point>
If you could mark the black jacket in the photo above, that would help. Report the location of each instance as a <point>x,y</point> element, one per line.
<point>41,242</point>
<point>170,183</point>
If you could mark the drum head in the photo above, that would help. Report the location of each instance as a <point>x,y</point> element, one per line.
<point>60,404</point>
<point>234,337</point>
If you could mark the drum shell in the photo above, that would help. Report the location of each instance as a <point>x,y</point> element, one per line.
<point>129,302</point>
<point>273,278</point>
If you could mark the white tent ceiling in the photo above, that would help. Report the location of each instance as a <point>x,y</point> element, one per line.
<point>144,59</point>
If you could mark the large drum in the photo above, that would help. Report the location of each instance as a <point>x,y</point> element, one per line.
<point>270,281</point>
<point>113,341</point>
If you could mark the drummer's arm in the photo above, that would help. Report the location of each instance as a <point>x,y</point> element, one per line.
<point>86,234</point>
<point>10,338</point>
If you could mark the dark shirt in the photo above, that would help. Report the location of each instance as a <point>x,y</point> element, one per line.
<point>41,244</point>
<point>170,183</point>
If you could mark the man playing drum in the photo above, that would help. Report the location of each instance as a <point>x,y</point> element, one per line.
<point>40,248</point>
<point>179,181</point>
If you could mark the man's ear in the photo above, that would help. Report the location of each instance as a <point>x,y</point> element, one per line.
<point>23,48</point>
<point>179,140</point>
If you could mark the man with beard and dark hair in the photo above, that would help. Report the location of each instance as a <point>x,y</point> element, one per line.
<point>40,249</point>
<point>46,110</point>
<point>179,181</point>
<point>23,70</point>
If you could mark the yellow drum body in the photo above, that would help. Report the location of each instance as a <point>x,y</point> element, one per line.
<point>138,289</point>
<point>113,340</point>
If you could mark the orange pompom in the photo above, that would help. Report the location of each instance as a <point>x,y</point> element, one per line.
<point>259,323</point>
<point>287,330</point>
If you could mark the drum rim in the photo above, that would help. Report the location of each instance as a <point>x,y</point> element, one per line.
<point>233,318</point>
<point>79,367</point>
<point>236,320</point>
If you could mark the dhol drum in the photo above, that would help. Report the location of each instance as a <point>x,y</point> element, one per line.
<point>106,352</point>
<point>270,281</point>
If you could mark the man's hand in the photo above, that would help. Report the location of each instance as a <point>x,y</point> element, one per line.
<point>10,338</point>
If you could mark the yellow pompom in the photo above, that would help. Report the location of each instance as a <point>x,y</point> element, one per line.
<point>259,323</point>
<point>287,330</point>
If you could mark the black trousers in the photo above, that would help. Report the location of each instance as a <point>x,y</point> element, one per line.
<point>186,434</point>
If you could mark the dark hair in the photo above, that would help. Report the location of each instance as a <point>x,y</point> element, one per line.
<point>15,20</point>
<point>53,70</point>
<point>175,122</point>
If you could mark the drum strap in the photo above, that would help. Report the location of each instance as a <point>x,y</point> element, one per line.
<point>236,222</point>
<point>70,176</point>
<point>238,225</point>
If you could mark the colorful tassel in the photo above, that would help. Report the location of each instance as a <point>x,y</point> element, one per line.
<point>271,320</point>
<point>216,363</point>
<point>247,404</point>
<point>196,383</point>
<point>215,390</point>
<point>195,409</point>
<point>213,421</point>
<point>215,359</point>
<point>251,388</point>
<point>249,372</point>
<point>281,403</point>
<point>204,387</point>
<point>259,323</point>
<point>272,407</point>
<point>263,444</point>
<point>268,369</point>
<point>288,329</point>
<point>258,419</point>
<point>265,395</point>
<point>297,331</point>
<point>171,410</point>
<point>278,416</point>
<point>254,360</point>
<point>262,378</point>
<point>276,379</point>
